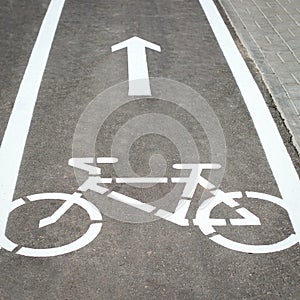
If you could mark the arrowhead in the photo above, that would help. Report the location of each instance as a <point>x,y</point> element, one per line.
<point>135,42</point>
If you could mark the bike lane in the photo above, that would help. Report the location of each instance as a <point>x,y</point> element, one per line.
<point>131,259</point>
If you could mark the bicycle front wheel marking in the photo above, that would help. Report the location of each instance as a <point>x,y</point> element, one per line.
<point>91,233</point>
<point>206,225</point>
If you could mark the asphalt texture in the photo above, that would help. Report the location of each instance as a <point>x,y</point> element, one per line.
<point>136,256</point>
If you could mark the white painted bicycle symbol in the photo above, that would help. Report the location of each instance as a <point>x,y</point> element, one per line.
<point>203,219</point>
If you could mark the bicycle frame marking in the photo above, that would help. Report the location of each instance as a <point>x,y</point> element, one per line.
<point>202,219</point>
<point>179,215</point>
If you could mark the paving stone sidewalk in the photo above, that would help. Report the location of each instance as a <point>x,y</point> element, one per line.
<point>270,30</point>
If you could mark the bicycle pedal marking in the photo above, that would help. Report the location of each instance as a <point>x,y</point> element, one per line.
<point>179,216</point>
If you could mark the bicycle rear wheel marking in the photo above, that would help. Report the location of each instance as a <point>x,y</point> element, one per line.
<point>89,236</point>
<point>92,232</point>
<point>5,243</point>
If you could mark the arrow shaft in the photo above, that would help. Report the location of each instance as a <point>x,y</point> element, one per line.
<point>138,74</point>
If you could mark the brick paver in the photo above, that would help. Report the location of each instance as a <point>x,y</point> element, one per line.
<point>270,30</point>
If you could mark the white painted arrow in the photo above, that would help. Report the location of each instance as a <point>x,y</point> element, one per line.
<point>138,76</point>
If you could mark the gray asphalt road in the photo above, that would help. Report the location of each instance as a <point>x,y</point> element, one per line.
<point>137,255</point>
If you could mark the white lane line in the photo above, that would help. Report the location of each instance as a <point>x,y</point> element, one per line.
<point>279,160</point>
<point>14,140</point>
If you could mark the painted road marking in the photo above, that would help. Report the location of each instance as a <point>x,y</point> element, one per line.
<point>142,180</point>
<point>14,140</point>
<point>92,231</point>
<point>203,220</point>
<point>207,224</point>
<point>85,163</point>
<point>131,201</point>
<point>279,160</point>
<point>138,75</point>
